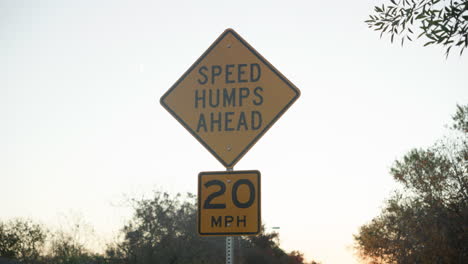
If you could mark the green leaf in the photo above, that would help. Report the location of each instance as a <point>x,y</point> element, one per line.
<point>381,34</point>
<point>430,36</point>
<point>429,43</point>
<point>447,52</point>
<point>445,28</point>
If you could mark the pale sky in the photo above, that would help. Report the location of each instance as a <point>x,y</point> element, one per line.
<point>81,127</point>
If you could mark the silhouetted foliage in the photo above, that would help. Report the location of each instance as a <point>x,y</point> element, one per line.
<point>460,119</point>
<point>427,222</point>
<point>442,22</point>
<point>66,250</point>
<point>163,230</point>
<point>22,240</point>
<point>263,248</point>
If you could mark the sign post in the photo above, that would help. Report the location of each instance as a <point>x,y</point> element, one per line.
<point>230,243</point>
<point>227,100</point>
<point>229,250</point>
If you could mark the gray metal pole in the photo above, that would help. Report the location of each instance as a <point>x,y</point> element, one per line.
<point>230,244</point>
<point>229,250</point>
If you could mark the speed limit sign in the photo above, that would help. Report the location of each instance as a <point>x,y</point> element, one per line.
<point>229,203</point>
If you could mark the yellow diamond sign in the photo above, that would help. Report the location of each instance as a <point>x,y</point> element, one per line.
<point>229,98</point>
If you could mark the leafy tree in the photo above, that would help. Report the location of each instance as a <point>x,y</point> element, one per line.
<point>295,257</point>
<point>22,240</point>
<point>264,248</point>
<point>163,230</point>
<point>442,22</point>
<point>73,242</point>
<point>65,249</point>
<point>460,119</point>
<point>427,221</point>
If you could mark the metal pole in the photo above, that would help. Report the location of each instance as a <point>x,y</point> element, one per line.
<point>229,250</point>
<point>230,243</point>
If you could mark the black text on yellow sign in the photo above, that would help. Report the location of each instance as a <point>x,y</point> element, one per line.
<point>229,203</point>
<point>229,98</point>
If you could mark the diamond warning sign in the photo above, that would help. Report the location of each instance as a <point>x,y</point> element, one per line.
<point>229,98</point>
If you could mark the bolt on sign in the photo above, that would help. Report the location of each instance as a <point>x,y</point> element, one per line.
<point>229,203</point>
<point>229,98</point>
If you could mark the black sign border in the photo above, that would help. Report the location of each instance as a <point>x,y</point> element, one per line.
<point>260,134</point>
<point>205,173</point>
